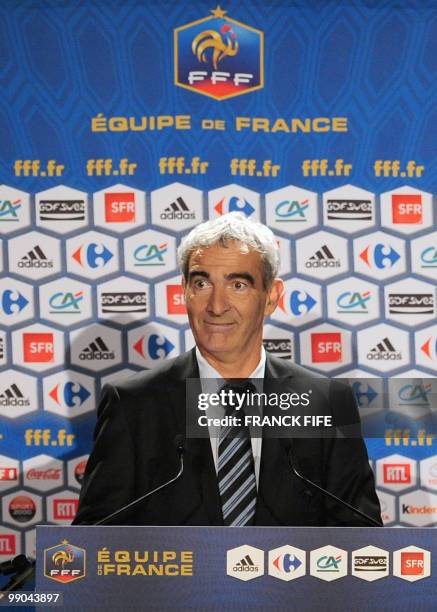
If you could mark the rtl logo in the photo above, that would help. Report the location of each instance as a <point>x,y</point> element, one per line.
<point>8,473</point>
<point>65,509</point>
<point>38,347</point>
<point>412,563</point>
<point>326,347</point>
<point>407,208</point>
<point>397,473</point>
<point>175,300</point>
<point>7,544</point>
<point>120,207</point>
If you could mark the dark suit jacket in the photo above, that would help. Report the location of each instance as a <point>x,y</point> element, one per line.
<point>134,452</point>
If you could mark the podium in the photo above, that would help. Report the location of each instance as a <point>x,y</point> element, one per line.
<point>242,568</point>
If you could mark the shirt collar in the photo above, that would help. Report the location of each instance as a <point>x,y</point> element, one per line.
<point>206,371</point>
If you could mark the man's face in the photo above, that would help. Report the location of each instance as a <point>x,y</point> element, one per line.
<point>226,301</point>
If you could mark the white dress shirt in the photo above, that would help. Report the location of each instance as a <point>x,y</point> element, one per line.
<point>211,383</point>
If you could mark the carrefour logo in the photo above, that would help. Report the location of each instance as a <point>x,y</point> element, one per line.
<point>297,303</point>
<point>155,347</point>
<point>13,302</point>
<point>291,211</point>
<point>364,393</point>
<point>71,394</point>
<point>219,57</point>
<point>380,255</point>
<point>92,255</point>
<point>234,204</point>
<point>150,254</point>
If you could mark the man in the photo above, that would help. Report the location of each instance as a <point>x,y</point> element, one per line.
<point>229,270</point>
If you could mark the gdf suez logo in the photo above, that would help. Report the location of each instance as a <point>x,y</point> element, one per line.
<point>219,57</point>
<point>65,562</point>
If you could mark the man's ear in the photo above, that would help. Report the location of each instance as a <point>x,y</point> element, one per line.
<point>274,293</point>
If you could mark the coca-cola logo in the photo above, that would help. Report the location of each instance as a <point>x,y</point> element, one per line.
<point>49,474</point>
<point>22,508</point>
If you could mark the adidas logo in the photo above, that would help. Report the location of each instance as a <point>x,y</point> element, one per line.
<point>35,258</point>
<point>245,565</point>
<point>97,349</point>
<point>13,397</point>
<point>384,350</point>
<point>323,258</point>
<point>177,210</point>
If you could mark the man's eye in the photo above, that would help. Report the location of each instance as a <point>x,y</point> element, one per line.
<point>239,285</point>
<point>201,283</point>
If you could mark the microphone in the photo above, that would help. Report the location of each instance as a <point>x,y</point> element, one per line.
<point>180,449</point>
<point>288,447</point>
<point>21,564</point>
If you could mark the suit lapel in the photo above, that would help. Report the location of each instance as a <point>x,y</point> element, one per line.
<point>199,461</point>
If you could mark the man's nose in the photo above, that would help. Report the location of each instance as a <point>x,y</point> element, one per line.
<point>218,303</point>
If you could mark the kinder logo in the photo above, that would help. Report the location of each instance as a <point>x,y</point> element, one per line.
<point>175,299</point>
<point>353,302</point>
<point>429,348</point>
<point>65,509</point>
<point>234,204</point>
<point>150,254</point>
<point>412,563</point>
<point>411,509</point>
<point>70,394</point>
<point>61,210</point>
<point>407,208</point>
<point>8,474</point>
<point>13,302</point>
<point>65,302</point>
<point>8,544</point>
<point>397,473</point>
<point>64,563</point>
<point>9,211</point>
<point>219,57</point>
<point>155,347</point>
<point>38,347</point>
<point>380,256</point>
<point>292,211</point>
<point>92,255</point>
<point>349,210</point>
<point>297,303</point>
<point>326,347</point>
<point>120,207</point>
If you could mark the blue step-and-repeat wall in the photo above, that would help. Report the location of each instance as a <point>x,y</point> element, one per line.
<point>124,124</point>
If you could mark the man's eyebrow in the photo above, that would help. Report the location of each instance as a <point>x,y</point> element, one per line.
<point>194,273</point>
<point>242,275</point>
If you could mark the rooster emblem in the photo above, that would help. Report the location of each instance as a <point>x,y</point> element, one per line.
<point>63,556</point>
<point>223,44</point>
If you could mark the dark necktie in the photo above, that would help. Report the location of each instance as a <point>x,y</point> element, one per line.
<point>236,469</point>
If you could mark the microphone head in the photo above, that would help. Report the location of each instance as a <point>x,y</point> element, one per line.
<point>179,443</point>
<point>286,444</point>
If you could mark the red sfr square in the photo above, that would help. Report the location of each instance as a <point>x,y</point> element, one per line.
<point>412,563</point>
<point>326,347</point>
<point>175,300</point>
<point>38,347</point>
<point>407,208</point>
<point>120,207</point>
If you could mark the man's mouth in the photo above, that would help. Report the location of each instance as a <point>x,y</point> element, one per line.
<point>218,327</point>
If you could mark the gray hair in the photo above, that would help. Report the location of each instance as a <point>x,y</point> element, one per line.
<point>233,226</point>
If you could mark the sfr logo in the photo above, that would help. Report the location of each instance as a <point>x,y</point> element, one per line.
<point>120,207</point>
<point>326,347</point>
<point>38,347</point>
<point>407,208</point>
